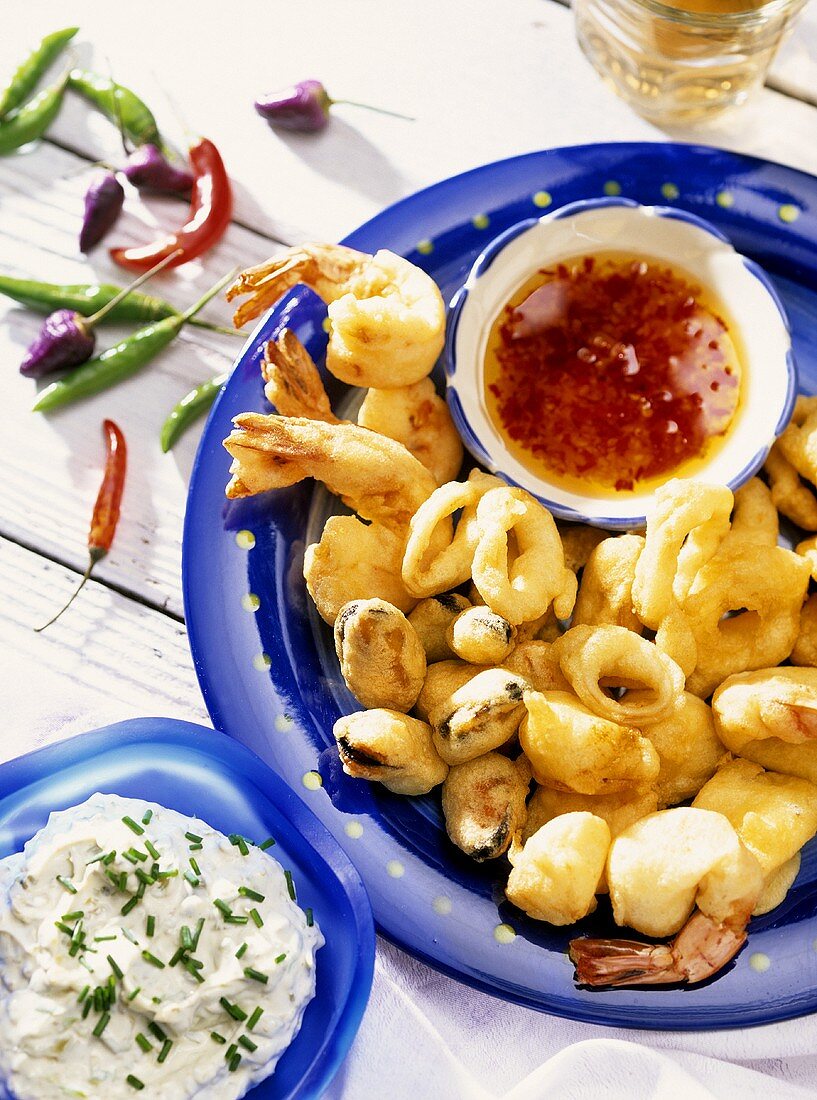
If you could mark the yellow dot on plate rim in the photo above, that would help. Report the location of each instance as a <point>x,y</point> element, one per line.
<point>245,540</point>
<point>261,662</point>
<point>503,933</point>
<point>426,247</point>
<point>788,212</point>
<point>283,723</point>
<point>312,781</point>
<point>326,324</point>
<point>759,962</point>
<point>250,602</point>
<point>725,199</point>
<point>353,829</point>
<point>542,199</point>
<point>612,187</point>
<point>395,868</point>
<point>441,905</point>
<point>480,221</point>
<point>669,191</point>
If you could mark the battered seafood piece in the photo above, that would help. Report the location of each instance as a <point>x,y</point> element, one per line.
<point>606,592</point>
<point>374,476</point>
<point>619,810</point>
<point>385,746</point>
<point>538,662</point>
<point>578,543</point>
<point>481,637</point>
<point>546,628</point>
<point>355,561</point>
<point>479,716</point>
<point>597,657</point>
<point>442,680</point>
<point>293,382</point>
<point>571,748</point>
<point>792,496</point>
<point>808,549</point>
<point>688,747</point>
<point>776,886</point>
<point>754,517</point>
<point>770,717</point>
<point>805,648</point>
<point>798,442</point>
<point>431,619</point>
<point>484,804</point>
<point>381,658</point>
<point>556,875</point>
<point>417,417</point>
<point>658,870</point>
<point>774,815</point>
<point>522,589</point>
<point>386,316</point>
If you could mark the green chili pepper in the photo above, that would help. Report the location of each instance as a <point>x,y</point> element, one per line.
<point>32,120</point>
<point>122,106</point>
<point>122,360</point>
<point>26,78</point>
<point>87,299</point>
<point>190,408</point>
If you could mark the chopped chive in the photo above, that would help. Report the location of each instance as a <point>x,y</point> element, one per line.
<point>144,877</point>
<point>143,1042</point>
<point>148,814</point>
<point>114,878</point>
<point>150,925</point>
<point>101,1025</point>
<point>241,951</point>
<point>156,1031</point>
<point>114,965</point>
<point>152,849</point>
<point>129,905</point>
<point>280,958</point>
<point>140,893</point>
<point>123,880</point>
<point>134,828</point>
<point>141,856</point>
<point>74,949</point>
<point>268,843</point>
<point>86,1008</point>
<point>154,870</point>
<point>234,919</point>
<point>130,936</point>
<point>99,998</point>
<point>232,1010</point>
<point>168,1043</point>
<point>103,939</point>
<point>149,958</point>
<point>247,1043</point>
<point>135,993</point>
<point>109,858</point>
<point>195,866</point>
<point>256,975</point>
<point>197,963</point>
<point>191,968</point>
<point>230,1051</point>
<point>167,874</point>
<point>257,1013</point>
<point>83,994</point>
<point>177,956</point>
<point>66,884</point>
<point>134,1082</point>
<point>78,915</point>
<point>256,918</point>
<point>191,878</point>
<point>192,836</point>
<point>253,895</point>
<point>223,907</point>
<point>196,847</point>
<point>64,927</point>
<point>197,933</point>
<point>290,884</point>
<point>245,851</point>
<point>96,859</point>
<point>235,1062</point>
<point>214,1035</point>
<point>129,856</point>
<point>156,1000</point>
<point>310,920</point>
<point>186,938</point>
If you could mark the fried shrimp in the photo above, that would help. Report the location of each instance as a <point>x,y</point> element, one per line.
<point>417,417</point>
<point>431,619</point>
<point>293,382</point>
<point>374,476</point>
<point>479,716</point>
<point>386,316</point>
<point>355,561</point>
<point>606,591</point>
<point>388,747</point>
<point>381,657</point>
<point>484,805</point>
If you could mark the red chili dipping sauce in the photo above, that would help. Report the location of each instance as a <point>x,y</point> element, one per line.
<point>612,372</point>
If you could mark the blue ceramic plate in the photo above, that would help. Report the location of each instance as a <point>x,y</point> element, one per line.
<point>202,773</point>
<point>266,663</point>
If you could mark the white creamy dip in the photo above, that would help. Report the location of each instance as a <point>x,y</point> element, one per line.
<point>144,952</point>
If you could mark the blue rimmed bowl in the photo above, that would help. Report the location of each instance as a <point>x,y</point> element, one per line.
<point>656,233</point>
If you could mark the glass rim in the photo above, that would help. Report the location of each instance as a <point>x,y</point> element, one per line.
<point>746,17</point>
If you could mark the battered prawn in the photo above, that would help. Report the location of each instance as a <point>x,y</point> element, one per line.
<point>374,476</point>
<point>386,316</point>
<point>293,382</point>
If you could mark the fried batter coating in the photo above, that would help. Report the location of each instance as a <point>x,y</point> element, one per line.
<point>808,549</point>
<point>374,476</point>
<point>755,517</point>
<point>619,810</point>
<point>479,716</point>
<point>798,441</point>
<point>546,628</point>
<point>417,417</point>
<point>805,648</point>
<point>578,543</point>
<point>776,886</point>
<point>538,662</point>
<point>442,679</point>
<point>388,747</point>
<point>522,589</point>
<point>431,619</point>
<point>689,749</point>
<point>484,805</point>
<point>606,591</point>
<point>791,495</point>
<point>556,875</point>
<point>573,749</point>
<point>665,864</point>
<point>594,658</point>
<point>355,561</point>
<point>381,658</point>
<point>293,382</point>
<point>481,637</point>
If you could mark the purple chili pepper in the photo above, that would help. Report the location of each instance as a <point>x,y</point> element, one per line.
<point>147,167</point>
<point>63,341</point>
<point>305,107</point>
<point>103,205</point>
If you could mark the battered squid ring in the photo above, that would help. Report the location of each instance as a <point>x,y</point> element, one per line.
<point>798,443</point>
<point>594,656</point>
<point>524,589</point>
<point>427,568</point>
<point>791,495</point>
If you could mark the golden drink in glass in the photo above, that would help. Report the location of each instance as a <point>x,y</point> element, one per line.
<point>683,61</point>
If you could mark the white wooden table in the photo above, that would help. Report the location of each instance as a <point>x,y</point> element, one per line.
<point>483,79</point>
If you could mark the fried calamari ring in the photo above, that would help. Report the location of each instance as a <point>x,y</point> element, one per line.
<point>755,517</point>
<point>355,561</point>
<point>557,873</point>
<point>768,586</point>
<point>538,662</point>
<point>791,495</point>
<point>597,657</point>
<point>606,591</point>
<point>381,658</point>
<point>479,716</point>
<point>523,589</point>
<point>805,648</point>
<point>484,805</point>
<point>798,442</point>
<point>427,569</point>
<point>573,749</point>
<point>689,749</point>
<point>481,637</point>
<point>385,746</point>
<point>431,619</point>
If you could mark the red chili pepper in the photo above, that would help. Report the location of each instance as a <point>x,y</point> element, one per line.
<point>211,208</point>
<point>106,510</point>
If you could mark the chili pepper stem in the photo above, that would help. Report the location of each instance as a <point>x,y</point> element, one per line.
<point>97,553</point>
<point>211,293</point>
<point>371,107</point>
<point>218,328</point>
<point>95,318</point>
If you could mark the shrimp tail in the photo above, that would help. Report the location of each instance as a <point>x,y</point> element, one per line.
<point>293,382</point>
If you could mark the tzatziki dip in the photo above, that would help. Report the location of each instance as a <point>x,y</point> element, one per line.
<point>141,950</point>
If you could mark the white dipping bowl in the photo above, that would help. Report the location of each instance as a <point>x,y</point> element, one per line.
<point>657,233</point>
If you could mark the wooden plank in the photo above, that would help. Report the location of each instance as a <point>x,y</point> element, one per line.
<point>108,659</point>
